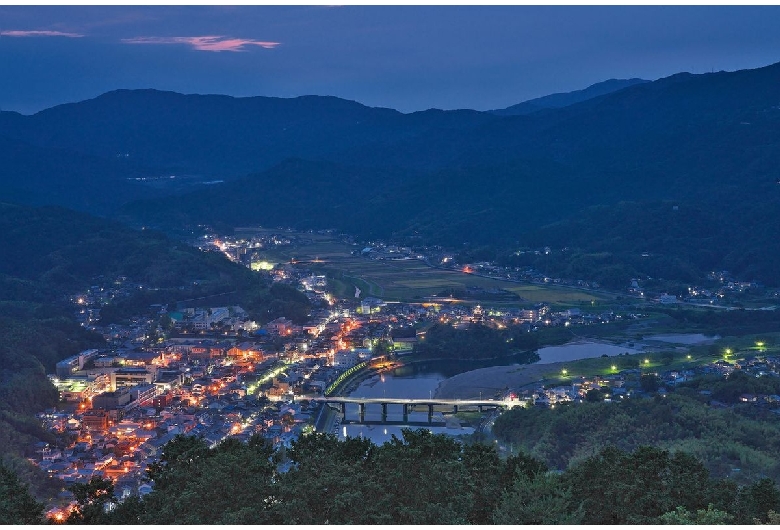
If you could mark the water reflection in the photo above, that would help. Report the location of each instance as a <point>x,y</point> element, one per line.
<point>584,350</point>
<point>451,368</point>
<point>405,382</point>
<point>411,381</point>
<point>421,379</point>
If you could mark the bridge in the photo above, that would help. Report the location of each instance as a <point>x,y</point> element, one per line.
<point>410,404</point>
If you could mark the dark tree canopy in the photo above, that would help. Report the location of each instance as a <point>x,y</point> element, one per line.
<point>420,478</point>
<point>17,505</point>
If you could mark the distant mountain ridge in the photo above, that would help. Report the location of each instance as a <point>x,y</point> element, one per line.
<point>708,142</point>
<point>564,99</point>
<point>220,136</point>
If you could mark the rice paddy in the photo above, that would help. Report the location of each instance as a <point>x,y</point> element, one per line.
<point>411,280</point>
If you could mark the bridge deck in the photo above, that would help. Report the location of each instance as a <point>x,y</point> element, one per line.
<point>413,401</point>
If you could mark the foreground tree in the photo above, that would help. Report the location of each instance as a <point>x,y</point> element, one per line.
<point>754,502</point>
<point>91,500</point>
<point>709,516</point>
<point>17,505</point>
<point>543,499</point>
<point>422,478</point>
<point>329,482</point>
<point>229,484</point>
<point>641,486</point>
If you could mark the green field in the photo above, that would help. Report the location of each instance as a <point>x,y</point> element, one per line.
<point>729,349</point>
<point>409,280</point>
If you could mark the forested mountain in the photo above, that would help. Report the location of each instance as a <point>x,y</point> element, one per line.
<point>51,252</point>
<point>707,145</point>
<point>564,99</point>
<point>36,175</point>
<point>223,136</point>
<point>681,421</point>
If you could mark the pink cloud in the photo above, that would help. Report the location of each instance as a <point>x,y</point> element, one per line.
<point>209,43</point>
<point>38,33</point>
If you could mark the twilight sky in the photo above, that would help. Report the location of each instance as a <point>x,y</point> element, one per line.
<point>404,57</point>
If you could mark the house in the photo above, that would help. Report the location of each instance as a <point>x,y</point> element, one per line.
<point>404,343</point>
<point>278,389</point>
<point>142,358</point>
<point>346,358</point>
<point>280,326</point>
<point>95,420</point>
<point>246,350</point>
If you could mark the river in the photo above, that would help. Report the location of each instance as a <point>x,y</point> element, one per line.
<point>580,350</point>
<point>421,379</point>
<point>413,381</point>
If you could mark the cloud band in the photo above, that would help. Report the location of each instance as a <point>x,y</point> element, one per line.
<point>209,43</point>
<point>38,33</point>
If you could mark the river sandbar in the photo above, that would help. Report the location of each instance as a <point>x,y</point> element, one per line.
<point>493,380</point>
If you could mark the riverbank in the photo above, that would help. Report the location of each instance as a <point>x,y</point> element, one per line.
<point>494,380</point>
<point>480,382</point>
<point>587,355</point>
<point>354,380</point>
<point>350,383</point>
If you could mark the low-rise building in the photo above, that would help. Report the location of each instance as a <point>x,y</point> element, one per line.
<point>131,377</point>
<point>113,400</point>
